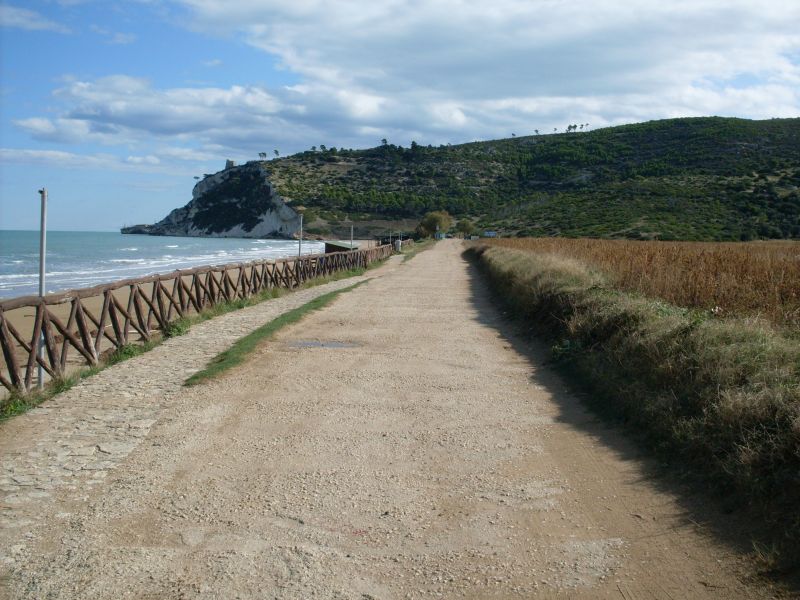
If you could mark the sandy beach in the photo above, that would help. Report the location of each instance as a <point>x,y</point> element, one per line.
<point>22,319</point>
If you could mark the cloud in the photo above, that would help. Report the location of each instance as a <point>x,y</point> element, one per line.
<point>447,71</point>
<point>122,38</point>
<point>58,158</point>
<point>447,61</point>
<point>22,18</point>
<point>94,161</point>
<point>542,47</point>
<point>113,37</point>
<point>143,160</point>
<point>72,131</point>
<point>127,110</point>
<point>215,62</point>
<point>187,154</point>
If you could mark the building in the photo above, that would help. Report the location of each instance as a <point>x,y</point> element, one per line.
<point>337,246</point>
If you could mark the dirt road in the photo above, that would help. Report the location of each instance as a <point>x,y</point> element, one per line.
<point>398,444</point>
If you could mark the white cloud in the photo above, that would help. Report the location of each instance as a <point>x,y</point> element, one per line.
<point>476,49</point>
<point>122,38</point>
<point>95,161</point>
<point>447,71</point>
<point>59,158</point>
<point>22,18</point>
<point>114,37</point>
<point>143,160</point>
<point>437,66</point>
<point>71,131</point>
<point>187,154</point>
<point>127,110</point>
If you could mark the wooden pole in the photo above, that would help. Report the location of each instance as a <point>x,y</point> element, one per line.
<point>300,239</point>
<point>42,289</point>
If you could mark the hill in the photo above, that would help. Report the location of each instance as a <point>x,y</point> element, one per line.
<point>235,202</point>
<point>707,178</point>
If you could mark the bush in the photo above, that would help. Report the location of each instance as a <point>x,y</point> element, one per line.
<point>432,222</point>
<point>176,328</point>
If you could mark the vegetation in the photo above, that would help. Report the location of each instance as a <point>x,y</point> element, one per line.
<point>466,227</point>
<point>240,199</point>
<point>236,354</point>
<point>756,279</point>
<point>416,248</point>
<point>434,222</point>
<point>716,397</point>
<point>683,179</point>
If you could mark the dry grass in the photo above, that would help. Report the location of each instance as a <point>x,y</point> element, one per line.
<point>717,398</point>
<point>743,279</point>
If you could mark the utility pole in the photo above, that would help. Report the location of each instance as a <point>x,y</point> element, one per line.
<point>42,254</point>
<point>351,237</point>
<point>300,239</point>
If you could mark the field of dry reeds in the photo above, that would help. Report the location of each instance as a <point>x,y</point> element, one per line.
<point>716,393</point>
<point>742,279</point>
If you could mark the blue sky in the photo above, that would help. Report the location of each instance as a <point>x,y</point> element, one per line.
<point>117,106</point>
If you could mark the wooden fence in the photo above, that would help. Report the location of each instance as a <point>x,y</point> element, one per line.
<point>87,321</point>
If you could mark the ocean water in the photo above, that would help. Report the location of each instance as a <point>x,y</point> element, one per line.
<point>78,259</point>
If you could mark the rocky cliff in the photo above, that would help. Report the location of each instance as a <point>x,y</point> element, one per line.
<point>236,202</point>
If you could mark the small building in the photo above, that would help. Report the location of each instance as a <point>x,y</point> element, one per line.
<point>338,246</point>
<point>489,234</point>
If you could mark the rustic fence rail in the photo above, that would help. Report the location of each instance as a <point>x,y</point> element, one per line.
<point>86,321</point>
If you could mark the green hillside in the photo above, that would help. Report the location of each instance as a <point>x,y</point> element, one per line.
<point>701,178</point>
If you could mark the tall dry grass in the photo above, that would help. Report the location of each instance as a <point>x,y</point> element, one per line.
<point>717,398</point>
<point>759,279</point>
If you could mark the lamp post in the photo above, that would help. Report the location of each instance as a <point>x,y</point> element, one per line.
<point>42,254</point>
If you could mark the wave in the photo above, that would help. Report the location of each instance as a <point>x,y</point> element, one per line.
<point>82,267</point>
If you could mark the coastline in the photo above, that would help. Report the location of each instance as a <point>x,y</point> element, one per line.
<point>20,312</point>
<point>85,259</point>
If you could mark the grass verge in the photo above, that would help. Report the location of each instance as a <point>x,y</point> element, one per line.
<point>417,248</point>
<point>236,354</point>
<point>719,399</point>
<point>17,403</point>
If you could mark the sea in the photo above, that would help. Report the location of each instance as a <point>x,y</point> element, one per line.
<point>76,259</point>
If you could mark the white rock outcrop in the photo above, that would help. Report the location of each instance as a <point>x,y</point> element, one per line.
<point>236,202</point>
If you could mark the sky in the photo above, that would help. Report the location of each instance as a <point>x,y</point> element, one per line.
<point>117,105</point>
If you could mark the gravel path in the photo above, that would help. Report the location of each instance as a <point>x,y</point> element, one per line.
<point>397,444</point>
